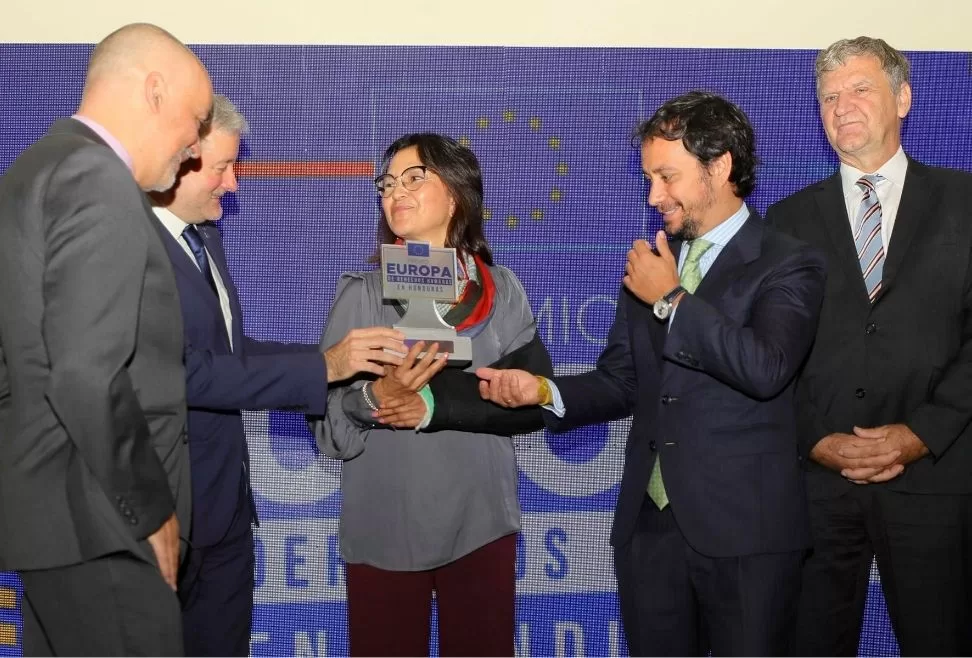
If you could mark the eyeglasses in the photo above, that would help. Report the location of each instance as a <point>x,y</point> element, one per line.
<point>411,179</point>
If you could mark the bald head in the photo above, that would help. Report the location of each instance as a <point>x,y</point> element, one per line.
<point>132,49</point>
<point>152,94</point>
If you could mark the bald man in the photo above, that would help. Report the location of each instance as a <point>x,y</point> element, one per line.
<point>94,471</point>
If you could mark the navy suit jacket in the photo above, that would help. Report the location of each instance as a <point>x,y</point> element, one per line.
<point>713,395</point>
<point>221,382</point>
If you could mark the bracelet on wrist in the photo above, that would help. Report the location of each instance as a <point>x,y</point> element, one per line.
<point>544,392</point>
<point>367,398</point>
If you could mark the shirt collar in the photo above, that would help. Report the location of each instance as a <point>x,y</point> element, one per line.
<point>893,170</point>
<point>108,138</point>
<point>724,232</point>
<point>171,222</point>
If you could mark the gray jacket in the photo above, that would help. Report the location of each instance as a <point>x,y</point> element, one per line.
<point>93,455</point>
<point>414,500</point>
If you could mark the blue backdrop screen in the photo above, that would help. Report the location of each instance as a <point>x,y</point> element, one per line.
<point>565,199</point>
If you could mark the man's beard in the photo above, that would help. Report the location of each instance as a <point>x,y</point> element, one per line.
<point>689,230</point>
<point>691,225</point>
<point>171,172</point>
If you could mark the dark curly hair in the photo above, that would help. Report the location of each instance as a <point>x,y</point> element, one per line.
<point>708,125</point>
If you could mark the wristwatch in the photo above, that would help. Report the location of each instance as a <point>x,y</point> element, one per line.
<point>663,307</point>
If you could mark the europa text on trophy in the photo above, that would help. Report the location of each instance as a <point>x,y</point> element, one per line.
<point>420,274</point>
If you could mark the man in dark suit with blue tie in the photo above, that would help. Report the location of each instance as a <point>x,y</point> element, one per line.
<point>227,372</point>
<point>711,528</point>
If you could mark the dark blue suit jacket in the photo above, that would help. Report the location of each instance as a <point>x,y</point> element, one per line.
<point>714,396</point>
<point>221,382</point>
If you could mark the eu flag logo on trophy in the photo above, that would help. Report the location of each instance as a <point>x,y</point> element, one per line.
<point>419,249</point>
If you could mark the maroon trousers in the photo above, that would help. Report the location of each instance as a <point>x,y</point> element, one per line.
<point>389,612</point>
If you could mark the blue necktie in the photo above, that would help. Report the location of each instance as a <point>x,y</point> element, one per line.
<point>867,239</point>
<point>198,249</point>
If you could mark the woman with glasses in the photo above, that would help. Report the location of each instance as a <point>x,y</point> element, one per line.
<point>429,511</point>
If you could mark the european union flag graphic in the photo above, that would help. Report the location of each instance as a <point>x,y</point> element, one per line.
<point>418,249</point>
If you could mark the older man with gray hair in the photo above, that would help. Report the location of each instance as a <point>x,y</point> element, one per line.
<point>885,397</point>
<point>226,372</point>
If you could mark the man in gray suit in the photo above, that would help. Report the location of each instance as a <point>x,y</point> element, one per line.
<point>94,471</point>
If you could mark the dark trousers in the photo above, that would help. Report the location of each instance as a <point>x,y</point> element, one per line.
<point>677,602</point>
<point>923,553</point>
<point>116,605</point>
<point>389,611</point>
<point>216,591</point>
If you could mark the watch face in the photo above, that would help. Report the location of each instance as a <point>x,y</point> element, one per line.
<point>662,308</point>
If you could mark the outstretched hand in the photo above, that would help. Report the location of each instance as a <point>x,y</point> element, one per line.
<point>364,350</point>
<point>508,388</point>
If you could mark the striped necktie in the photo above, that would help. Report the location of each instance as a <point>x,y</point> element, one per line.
<point>867,238</point>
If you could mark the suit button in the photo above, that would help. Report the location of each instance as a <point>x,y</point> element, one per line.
<point>860,392</point>
<point>133,520</point>
<point>683,356</point>
<point>870,328</point>
<point>651,446</point>
<point>666,399</point>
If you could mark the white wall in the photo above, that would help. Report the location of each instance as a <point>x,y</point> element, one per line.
<point>906,24</point>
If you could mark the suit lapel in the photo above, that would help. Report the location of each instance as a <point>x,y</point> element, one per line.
<point>217,260</point>
<point>918,199</point>
<point>186,268</point>
<point>836,224</point>
<point>744,247</point>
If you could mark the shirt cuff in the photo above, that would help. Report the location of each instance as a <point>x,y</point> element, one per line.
<point>557,406</point>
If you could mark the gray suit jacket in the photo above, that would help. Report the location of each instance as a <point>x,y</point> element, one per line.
<point>93,456</point>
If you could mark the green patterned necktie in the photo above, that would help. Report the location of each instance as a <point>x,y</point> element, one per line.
<point>691,278</point>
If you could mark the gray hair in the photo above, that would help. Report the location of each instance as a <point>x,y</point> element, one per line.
<point>894,64</point>
<point>226,117</point>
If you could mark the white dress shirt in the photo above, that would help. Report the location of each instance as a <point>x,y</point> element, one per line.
<point>888,190</point>
<point>176,226</point>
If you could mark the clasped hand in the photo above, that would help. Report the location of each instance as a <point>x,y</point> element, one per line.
<point>396,393</point>
<point>870,455</point>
